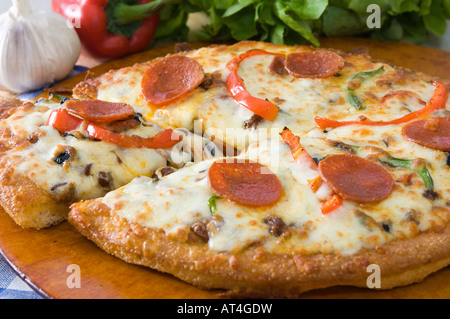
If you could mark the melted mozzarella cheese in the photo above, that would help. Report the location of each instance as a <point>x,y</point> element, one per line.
<point>299,99</point>
<point>124,86</point>
<point>94,164</point>
<point>94,167</point>
<point>177,201</point>
<point>408,196</point>
<point>29,117</point>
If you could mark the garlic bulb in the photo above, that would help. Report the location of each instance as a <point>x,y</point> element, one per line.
<point>36,48</point>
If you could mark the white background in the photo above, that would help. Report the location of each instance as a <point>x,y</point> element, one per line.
<point>436,42</point>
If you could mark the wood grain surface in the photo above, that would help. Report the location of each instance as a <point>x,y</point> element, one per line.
<point>42,258</point>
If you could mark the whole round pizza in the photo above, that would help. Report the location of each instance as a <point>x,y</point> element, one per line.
<point>263,170</point>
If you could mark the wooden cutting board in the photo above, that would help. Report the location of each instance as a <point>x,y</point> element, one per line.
<point>45,258</point>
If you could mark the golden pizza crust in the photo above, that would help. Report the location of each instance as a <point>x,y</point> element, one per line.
<point>8,138</point>
<point>254,272</point>
<point>20,122</point>
<point>86,90</point>
<point>8,106</point>
<point>28,205</point>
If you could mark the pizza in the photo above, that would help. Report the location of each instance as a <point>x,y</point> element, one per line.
<point>57,154</point>
<point>270,225</point>
<point>347,86</point>
<point>259,169</point>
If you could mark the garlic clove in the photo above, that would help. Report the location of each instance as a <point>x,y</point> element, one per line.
<point>36,48</point>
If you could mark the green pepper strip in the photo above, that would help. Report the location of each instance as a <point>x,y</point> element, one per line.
<point>362,76</point>
<point>212,204</point>
<point>352,97</point>
<point>58,98</point>
<point>403,163</point>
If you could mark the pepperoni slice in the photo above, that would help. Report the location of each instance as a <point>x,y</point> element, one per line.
<point>99,112</point>
<point>314,64</point>
<point>355,178</point>
<point>171,79</point>
<point>245,182</point>
<point>433,133</point>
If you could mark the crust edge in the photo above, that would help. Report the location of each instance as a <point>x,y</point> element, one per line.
<point>26,203</point>
<point>254,274</point>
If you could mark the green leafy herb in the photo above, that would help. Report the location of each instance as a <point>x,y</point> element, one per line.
<point>212,204</point>
<point>337,21</point>
<point>435,20</point>
<point>124,17</point>
<point>286,14</point>
<point>301,21</point>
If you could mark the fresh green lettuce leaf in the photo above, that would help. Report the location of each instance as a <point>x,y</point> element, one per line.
<point>305,21</point>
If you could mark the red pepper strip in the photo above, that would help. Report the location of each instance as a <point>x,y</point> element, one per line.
<point>437,101</point>
<point>236,87</point>
<point>333,202</point>
<point>92,28</point>
<point>296,148</point>
<point>65,122</point>
<point>161,140</point>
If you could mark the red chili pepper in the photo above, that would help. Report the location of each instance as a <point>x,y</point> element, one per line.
<point>437,101</point>
<point>111,28</point>
<point>236,87</point>
<point>65,122</point>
